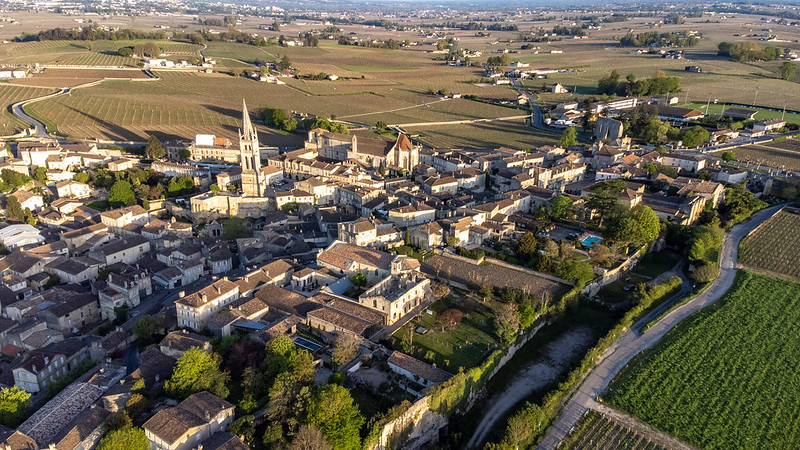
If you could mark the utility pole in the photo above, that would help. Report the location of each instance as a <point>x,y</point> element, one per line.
<point>783,115</point>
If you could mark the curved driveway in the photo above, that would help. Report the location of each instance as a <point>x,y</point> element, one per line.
<point>632,343</point>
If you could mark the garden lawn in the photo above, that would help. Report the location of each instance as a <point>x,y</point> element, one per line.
<point>727,376</point>
<point>654,264</point>
<point>464,345</point>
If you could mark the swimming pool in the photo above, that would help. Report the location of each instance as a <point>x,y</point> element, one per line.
<point>307,344</point>
<point>589,240</point>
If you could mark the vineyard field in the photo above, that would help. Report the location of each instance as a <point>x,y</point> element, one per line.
<point>727,376</point>
<point>11,94</point>
<point>775,245</point>
<point>598,431</point>
<point>771,155</point>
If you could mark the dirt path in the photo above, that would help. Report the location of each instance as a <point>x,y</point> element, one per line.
<point>543,371</point>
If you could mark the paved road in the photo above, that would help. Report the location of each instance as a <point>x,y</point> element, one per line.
<point>631,343</point>
<point>537,121</point>
<point>40,129</point>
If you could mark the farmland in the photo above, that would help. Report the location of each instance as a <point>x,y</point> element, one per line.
<point>11,94</point>
<point>775,245</point>
<point>727,376</point>
<point>87,53</point>
<point>769,155</point>
<point>58,78</point>
<point>599,431</point>
<point>491,274</point>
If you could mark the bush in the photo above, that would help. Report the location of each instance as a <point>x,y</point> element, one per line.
<point>336,378</point>
<point>475,253</point>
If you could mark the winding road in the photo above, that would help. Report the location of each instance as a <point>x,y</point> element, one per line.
<point>632,342</point>
<point>537,120</point>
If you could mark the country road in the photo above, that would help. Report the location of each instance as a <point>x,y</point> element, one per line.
<point>632,343</point>
<point>537,120</point>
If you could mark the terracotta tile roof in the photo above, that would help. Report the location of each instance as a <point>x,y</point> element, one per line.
<point>199,409</point>
<point>417,367</point>
<point>340,255</point>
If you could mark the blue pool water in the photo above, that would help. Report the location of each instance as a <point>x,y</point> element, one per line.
<point>307,344</point>
<point>590,240</point>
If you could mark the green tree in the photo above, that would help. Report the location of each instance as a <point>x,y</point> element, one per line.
<point>527,246</point>
<point>380,125</point>
<point>121,193</point>
<point>507,323</point>
<point>184,154</point>
<point>602,202</point>
<point>14,406</point>
<point>154,149</point>
<point>569,137</point>
<point>561,207</point>
<point>285,62</point>
<point>81,177</point>
<point>788,68</point>
<point>128,438</point>
<point>608,83</point>
<point>359,279</point>
<point>728,156</point>
<point>332,411</point>
<point>40,175</point>
<point>637,226</point>
<point>14,209</point>
<point>147,327</point>
<point>214,188</point>
<point>695,136</point>
<point>276,26</point>
<point>197,371</point>
<point>453,241</point>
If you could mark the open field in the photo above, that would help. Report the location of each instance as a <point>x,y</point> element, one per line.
<point>599,431</point>
<point>87,53</point>
<point>774,247</point>
<point>464,345</point>
<point>727,376</point>
<point>511,133</point>
<point>764,154</point>
<point>59,78</point>
<point>497,276</point>
<point>10,94</point>
<point>761,115</point>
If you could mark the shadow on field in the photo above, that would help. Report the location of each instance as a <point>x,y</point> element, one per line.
<point>121,133</point>
<point>162,136</point>
<point>228,112</point>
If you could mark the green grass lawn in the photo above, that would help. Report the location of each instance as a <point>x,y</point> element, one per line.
<point>654,264</point>
<point>615,292</point>
<point>727,376</point>
<point>761,115</point>
<point>463,345</point>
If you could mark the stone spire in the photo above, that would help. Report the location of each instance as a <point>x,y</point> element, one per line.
<point>248,132</point>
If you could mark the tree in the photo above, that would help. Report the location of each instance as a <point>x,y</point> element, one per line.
<point>449,317</point>
<point>728,156</point>
<point>637,226</point>
<point>147,327</point>
<point>154,150</point>
<point>244,427</point>
<point>694,136</point>
<point>81,177</point>
<point>569,137</point>
<point>788,68</point>
<point>507,322</point>
<point>561,207</point>
<point>276,26</point>
<point>309,438</point>
<point>527,246</point>
<point>453,241</point>
<point>603,203</point>
<point>359,280</point>
<point>332,410</point>
<point>346,348</point>
<point>14,209</point>
<point>128,438</point>
<point>285,62</point>
<point>184,154</point>
<point>705,273</point>
<point>197,371</point>
<point>380,125</point>
<point>14,406</point>
<point>40,175</point>
<point>121,193</point>
<point>608,84</point>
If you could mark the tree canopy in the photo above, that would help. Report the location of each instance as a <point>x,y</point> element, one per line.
<point>332,411</point>
<point>122,194</point>
<point>569,137</point>
<point>561,207</point>
<point>126,438</point>
<point>637,226</point>
<point>195,371</point>
<point>14,406</point>
<point>14,209</point>
<point>154,149</point>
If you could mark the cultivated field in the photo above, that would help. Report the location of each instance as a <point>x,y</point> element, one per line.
<point>87,53</point>
<point>726,377</point>
<point>774,247</point>
<point>510,133</point>
<point>497,276</point>
<point>767,154</point>
<point>11,94</point>
<point>598,431</point>
<point>59,78</point>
